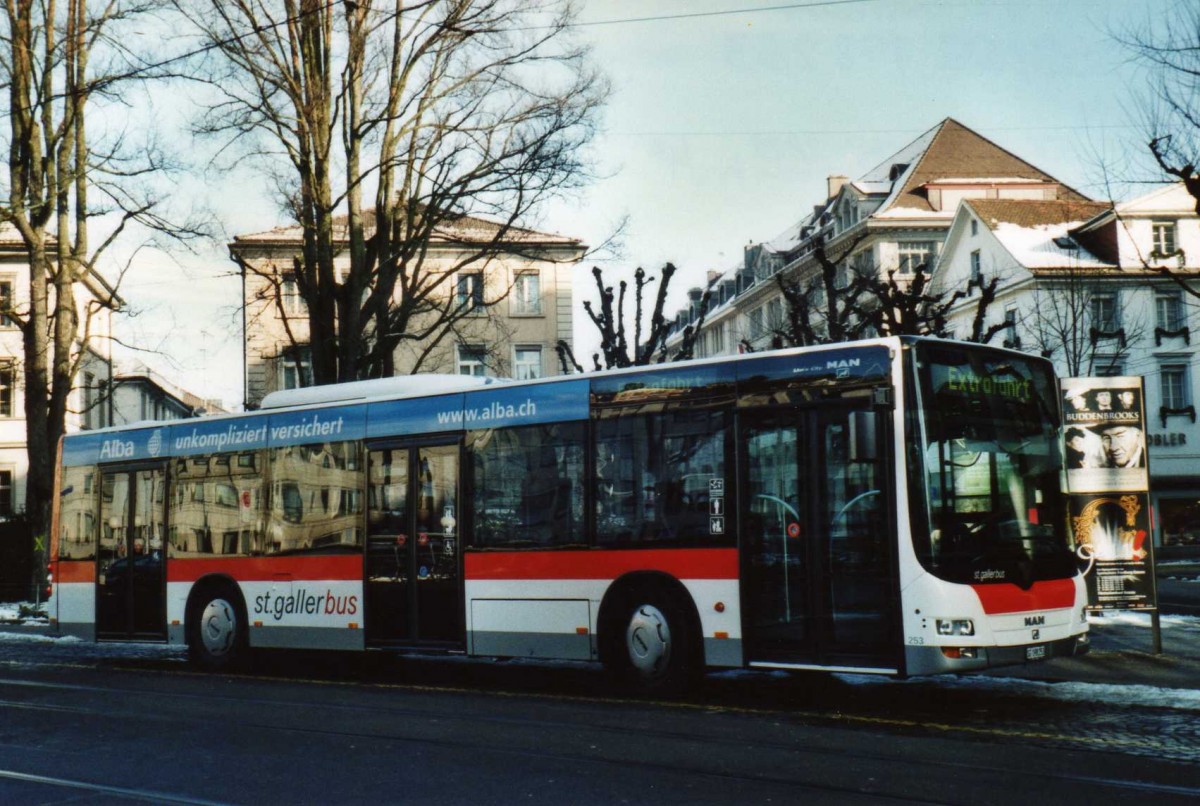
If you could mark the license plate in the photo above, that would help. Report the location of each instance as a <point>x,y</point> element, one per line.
<point>1035,653</point>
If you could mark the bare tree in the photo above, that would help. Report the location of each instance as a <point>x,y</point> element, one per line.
<point>61,64</point>
<point>826,306</point>
<point>1168,44</point>
<point>615,348</point>
<point>1065,326</point>
<point>447,111</point>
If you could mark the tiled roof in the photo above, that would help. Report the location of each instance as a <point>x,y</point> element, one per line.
<point>953,150</point>
<point>1029,213</point>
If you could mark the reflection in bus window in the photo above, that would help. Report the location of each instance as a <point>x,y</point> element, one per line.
<point>654,473</point>
<point>216,506</point>
<point>77,514</point>
<point>529,486</point>
<point>316,499</point>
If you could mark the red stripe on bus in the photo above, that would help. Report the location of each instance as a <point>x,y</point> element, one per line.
<point>1006,597</point>
<point>679,563</point>
<point>84,571</point>
<point>265,569</point>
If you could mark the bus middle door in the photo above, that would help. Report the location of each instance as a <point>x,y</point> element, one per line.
<point>414,559</point>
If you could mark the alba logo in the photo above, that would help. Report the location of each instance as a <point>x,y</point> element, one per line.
<point>116,449</point>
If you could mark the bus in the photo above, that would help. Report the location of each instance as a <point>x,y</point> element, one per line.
<point>889,506</point>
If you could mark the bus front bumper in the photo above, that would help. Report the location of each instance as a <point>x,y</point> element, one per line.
<point>924,660</point>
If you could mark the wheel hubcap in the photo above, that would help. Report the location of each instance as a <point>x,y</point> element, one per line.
<point>648,640</point>
<point>218,627</point>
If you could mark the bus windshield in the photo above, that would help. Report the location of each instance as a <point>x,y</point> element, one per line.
<point>986,455</point>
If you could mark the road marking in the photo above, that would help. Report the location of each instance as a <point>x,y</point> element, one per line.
<point>137,794</point>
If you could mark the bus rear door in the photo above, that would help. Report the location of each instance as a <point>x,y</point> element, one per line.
<point>131,567</point>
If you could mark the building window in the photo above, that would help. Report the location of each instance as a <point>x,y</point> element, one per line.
<point>289,296</point>
<point>976,268</point>
<point>1169,305</point>
<point>8,377</point>
<point>756,323</point>
<point>1108,366</point>
<point>527,363</point>
<point>1175,392</point>
<point>6,302</point>
<point>527,293</point>
<point>470,290</point>
<point>6,492</point>
<point>974,226</point>
<point>295,370</point>
<point>914,254</point>
<point>1105,314</point>
<point>1164,237</point>
<point>472,360</point>
<point>716,339</point>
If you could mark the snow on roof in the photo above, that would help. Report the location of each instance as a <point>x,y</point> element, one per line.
<point>913,212</point>
<point>882,173</point>
<point>988,180</point>
<point>1035,247</point>
<point>872,188</point>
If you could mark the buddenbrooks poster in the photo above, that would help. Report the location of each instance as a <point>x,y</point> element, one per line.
<point>1105,435</point>
<point>1108,481</point>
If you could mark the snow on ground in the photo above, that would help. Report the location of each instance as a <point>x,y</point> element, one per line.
<point>1179,699</point>
<point>20,612</point>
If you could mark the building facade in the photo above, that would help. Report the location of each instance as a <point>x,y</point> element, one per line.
<point>1083,284</point>
<point>522,300</point>
<point>891,219</point>
<point>86,407</point>
<point>142,394</point>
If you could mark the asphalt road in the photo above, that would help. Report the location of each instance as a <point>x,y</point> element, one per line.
<point>81,723</point>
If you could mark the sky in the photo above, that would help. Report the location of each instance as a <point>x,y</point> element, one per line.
<point>726,118</point>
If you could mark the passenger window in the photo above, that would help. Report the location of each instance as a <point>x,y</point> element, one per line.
<point>216,507</point>
<point>528,485</point>
<point>316,500</point>
<point>662,478</point>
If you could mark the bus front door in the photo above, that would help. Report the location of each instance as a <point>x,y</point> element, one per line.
<point>131,589</point>
<point>413,563</point>
<point>818,586</point>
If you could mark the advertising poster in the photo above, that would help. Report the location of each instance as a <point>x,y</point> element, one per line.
<point>1112,535</point>
<point>1104,427</point>
<point>1108,485</point>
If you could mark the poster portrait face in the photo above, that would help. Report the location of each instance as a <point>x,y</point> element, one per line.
<point>1124,445</point>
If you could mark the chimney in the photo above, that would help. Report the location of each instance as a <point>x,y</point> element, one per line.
<point>834,184</point>
<point>713,274</point>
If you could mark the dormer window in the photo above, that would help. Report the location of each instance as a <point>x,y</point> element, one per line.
<point>897,170</point>
<point>1164,238</point>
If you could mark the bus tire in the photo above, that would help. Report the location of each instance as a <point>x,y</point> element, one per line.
<point>217,630</point>
<point>652,647</point>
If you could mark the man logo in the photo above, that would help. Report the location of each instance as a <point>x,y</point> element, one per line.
<point>1035,621</point>
<point>1037,634</point>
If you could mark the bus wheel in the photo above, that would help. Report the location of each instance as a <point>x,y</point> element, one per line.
<point>656,652</point>
<point>217,630</point>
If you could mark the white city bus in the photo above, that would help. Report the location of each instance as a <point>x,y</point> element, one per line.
<point>889,506</point>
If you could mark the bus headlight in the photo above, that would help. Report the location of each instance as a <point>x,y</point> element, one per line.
<point>958,626</point>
